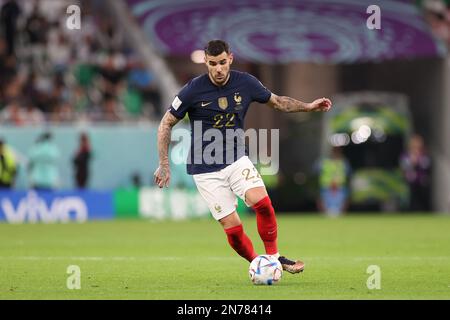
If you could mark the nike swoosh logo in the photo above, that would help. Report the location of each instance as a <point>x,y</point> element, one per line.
<point>204,104</point>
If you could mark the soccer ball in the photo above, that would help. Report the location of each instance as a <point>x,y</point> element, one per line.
<point>265,269</point>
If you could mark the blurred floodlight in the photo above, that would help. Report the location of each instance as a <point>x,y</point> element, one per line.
<point>362,134</point>
<point>357,123</point>
<point>357,138</point>
<point>198,56</point>
<point>365,131</point>
<point>339,139</point>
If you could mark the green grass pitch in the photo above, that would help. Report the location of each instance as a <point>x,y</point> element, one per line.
<point>137,259</point>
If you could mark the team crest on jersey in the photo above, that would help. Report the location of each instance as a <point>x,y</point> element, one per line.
<point>238,99</point>
<point>218,208</point>
<point>223,103</point>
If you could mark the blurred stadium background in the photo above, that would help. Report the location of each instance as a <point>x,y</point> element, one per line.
<point>113,79</point>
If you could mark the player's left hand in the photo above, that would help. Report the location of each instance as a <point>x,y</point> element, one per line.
<point>322,104</point>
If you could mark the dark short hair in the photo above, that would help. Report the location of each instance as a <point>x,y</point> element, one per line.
<point>216,47</point>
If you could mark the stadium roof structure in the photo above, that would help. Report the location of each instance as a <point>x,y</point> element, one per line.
<point>283,31</point>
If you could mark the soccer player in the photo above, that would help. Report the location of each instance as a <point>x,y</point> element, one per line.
<point>216,101</point>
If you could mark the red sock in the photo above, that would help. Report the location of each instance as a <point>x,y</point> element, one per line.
<point>239,241</point>
<point>267,224</point>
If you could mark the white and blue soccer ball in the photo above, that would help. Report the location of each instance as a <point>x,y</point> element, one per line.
<point>265,270</point>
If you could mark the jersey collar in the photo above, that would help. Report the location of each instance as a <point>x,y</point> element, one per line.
<point>222,86</point>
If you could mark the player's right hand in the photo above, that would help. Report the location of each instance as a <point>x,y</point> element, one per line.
<point>162,175</point>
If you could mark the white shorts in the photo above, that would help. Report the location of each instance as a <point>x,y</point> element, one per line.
<point>220,188</point>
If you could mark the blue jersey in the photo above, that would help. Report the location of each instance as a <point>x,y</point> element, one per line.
<point>216,111</point>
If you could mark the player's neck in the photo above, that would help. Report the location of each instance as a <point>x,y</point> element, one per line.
<point>220,85</point>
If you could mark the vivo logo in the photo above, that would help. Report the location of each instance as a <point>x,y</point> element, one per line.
<point>32,208</point>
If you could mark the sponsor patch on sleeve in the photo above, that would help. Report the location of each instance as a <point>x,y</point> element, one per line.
<point>176,103</point>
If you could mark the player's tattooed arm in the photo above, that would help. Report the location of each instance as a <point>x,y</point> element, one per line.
<point>288,104</point>
<point>162,174</point>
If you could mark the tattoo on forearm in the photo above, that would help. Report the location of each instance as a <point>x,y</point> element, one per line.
<point>164,133</point>
<point>288,104</point>
<point>162,172</point>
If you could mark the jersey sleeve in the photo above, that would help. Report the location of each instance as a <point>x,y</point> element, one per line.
<point>182,102</point>
<point>258,91</point>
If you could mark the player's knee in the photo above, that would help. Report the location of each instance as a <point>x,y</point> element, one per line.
<point>255,195</point>
<point>264,205</point>
<point>230,221</point>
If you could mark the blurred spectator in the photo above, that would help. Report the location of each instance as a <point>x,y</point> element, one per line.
<point>29,88</point>
<point>12,114</point>
<point>21,112</point>
<point>437,14</point>
<point>8,67</point>
<point>142,83</point>
<point>36,27</point>
<point>416,167</point>
<point>32,115</point>
<point>43,163</point>
<point>59,51</point>
<point>71,76</point>
<point>79,100</point>
<point>110,37</point>
<point>81,162</point>
<point>9,14</point>
<point>136,180</point>
<point>112,68</point>
<point>333,180</point>
<point>12,88</point>
<point>63,112</point>
<point>8,166</point>
<point>36,31</point>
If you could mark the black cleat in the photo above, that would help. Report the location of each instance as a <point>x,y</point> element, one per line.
<point>291,266</point>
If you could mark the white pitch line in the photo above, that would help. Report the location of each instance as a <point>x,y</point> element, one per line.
<point>403,258</point>
<point>171,258</point>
